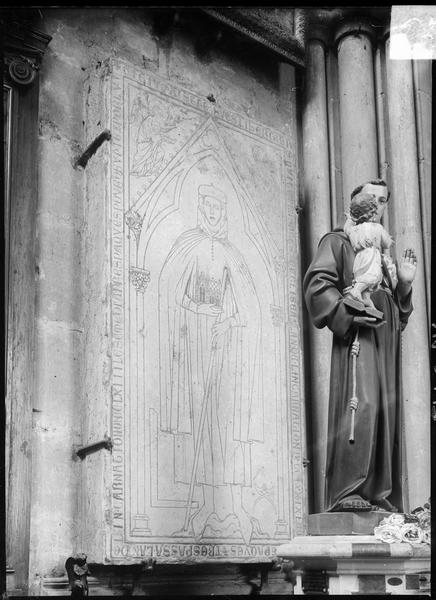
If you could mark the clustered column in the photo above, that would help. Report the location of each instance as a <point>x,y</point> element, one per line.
<point>408,234</point>
<point>317,211</point>
<point>356,105</point>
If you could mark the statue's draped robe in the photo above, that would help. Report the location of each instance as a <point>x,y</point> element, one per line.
<point>203,267</point>
<point>371,467</point>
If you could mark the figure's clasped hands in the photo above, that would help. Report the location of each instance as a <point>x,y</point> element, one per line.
<point>407,267</point>
<point>210,310</point>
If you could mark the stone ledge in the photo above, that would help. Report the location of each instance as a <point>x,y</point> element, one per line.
<point>349,546</point>
<point>344,523</point>
<point>356,564</point>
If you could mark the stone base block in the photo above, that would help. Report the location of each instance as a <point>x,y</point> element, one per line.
<point>356,564</point>
<point>344,523</point>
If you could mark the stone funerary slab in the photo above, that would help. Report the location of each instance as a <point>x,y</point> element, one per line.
<point>206,408</point>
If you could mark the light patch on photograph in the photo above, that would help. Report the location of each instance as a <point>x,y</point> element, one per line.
<point>413,32</point>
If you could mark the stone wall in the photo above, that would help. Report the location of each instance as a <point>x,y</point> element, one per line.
<point>72,509</point>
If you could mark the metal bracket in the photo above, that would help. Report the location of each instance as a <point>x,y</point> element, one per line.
<point>256,576</point>
<point>77,571</point>
<point>82,161</point>
<point>147,566</point>
<point>85,450</point>
<point>288,570</point>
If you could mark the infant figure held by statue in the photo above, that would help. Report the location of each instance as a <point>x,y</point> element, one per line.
<point>369,239</point>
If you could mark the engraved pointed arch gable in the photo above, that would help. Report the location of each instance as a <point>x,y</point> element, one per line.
<point>164,195</point>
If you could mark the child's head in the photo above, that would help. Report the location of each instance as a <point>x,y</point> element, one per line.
<point>363,207</point>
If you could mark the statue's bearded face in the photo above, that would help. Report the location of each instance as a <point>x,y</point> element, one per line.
<point>212,209</point>
<point>381,195</point>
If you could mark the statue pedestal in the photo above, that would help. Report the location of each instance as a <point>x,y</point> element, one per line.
<point>344,523</point>
<point>356,564</point>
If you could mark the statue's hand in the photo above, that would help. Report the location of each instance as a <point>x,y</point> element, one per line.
<point>367,322</point>
<point>210,310</point>
<point>407,267</point>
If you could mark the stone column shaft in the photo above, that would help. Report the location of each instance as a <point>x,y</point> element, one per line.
<point>381,109</point>
<point>422,75</point>
<point>317,210</point>
<point>357,106</point>
<point>408,234</point>
<point>336,194</point>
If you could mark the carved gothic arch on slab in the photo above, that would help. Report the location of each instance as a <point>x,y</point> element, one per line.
<point>151,212</point>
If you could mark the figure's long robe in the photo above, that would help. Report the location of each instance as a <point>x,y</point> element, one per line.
<point>371,467</point>
<point>200,263</point>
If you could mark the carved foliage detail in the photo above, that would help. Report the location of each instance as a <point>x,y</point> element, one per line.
<point>134,222</point>
<point>140,278</point>
<point>279,264</point>
<point>277,315</point>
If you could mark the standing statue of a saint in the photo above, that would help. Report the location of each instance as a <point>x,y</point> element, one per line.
<point>363,470</point>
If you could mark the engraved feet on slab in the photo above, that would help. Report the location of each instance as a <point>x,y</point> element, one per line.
<point>353,504</point>
<point>245,526</point>
<point>199,520</point>
<point>195,525</point>
<point>257,530</point>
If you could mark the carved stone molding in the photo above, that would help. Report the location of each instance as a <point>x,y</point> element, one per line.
<point>23,51</point>
<point>354,27</point>
<point>280,29</point>
<point>385,33</point>
<point>20,69</point>
<point>319,32</point>
<point>335,16</point>
<point>300,25</point>
<point>330,25</point>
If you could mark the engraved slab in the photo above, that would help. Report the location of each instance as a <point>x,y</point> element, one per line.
<point>206,404</point>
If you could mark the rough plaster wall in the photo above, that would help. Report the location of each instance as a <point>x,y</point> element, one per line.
<point>72,362</point>
<point>58,313</point>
